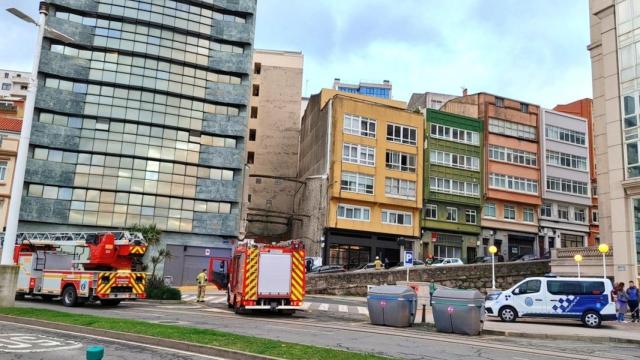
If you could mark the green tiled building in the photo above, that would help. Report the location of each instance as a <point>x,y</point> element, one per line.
<point>453,175</point>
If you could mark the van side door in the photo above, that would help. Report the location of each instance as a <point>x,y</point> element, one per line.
<point>529,297</point>
<point>564,296</point>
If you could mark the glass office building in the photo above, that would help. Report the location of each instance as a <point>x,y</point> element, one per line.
<point>142,119</point>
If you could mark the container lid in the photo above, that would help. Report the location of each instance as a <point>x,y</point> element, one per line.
<point>458,294</point>
<point>395,290</point>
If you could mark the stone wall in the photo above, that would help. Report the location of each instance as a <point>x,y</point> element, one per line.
<point>474,276</point>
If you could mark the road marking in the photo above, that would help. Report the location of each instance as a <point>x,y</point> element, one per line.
<point>363,310</point>
<point>220,300</point>
<point>128,313</point>
<point>306,305</point>
<point>323,307</point>
<point>209,298</point>
<point>29,343</point>
<point>188,297</point>
<point>343,308</point>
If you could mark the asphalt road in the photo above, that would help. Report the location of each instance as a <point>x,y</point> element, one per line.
<point>352,332</point>
<point>21,342</point>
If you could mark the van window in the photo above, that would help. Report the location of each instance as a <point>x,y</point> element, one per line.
<point>556,287</point>
<point>529,287</point>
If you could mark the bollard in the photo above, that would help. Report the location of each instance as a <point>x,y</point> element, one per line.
<point>424,310</point>
<point>95,352</point>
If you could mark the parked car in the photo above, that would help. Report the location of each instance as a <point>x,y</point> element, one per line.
<point>369,266</point>
<point>312,262</point>
<point>525,257</point>
<point>448,262</point>
<point>584,299</point>
<point>487,259</point>
<point>325,269</point>
<point>416,262</point>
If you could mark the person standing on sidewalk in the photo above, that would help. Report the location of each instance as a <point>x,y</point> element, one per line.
<point>377,263</point>
<point>202,285</point>
<point>632,293</point>
<point>622,302</point>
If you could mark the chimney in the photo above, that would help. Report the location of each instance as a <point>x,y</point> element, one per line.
<point>464,91</point>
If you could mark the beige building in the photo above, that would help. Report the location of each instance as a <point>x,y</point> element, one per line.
<point>272,143</point>
<point>11,113</point>
<point>615,63</point>
<point>14,84</point>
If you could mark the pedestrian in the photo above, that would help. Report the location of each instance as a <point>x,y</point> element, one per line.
<point>632,293</point>
<point>377,263</point>
<point>201,280</point>
<point>386,263</point>
<point>622,302</point>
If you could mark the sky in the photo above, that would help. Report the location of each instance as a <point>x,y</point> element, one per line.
<point>534,51</point>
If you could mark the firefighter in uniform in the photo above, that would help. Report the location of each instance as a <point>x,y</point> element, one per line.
<point>202,285</point>
<point>377,263</point>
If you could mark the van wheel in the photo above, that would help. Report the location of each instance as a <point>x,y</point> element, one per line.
<point>508,314</point>
<point>592,319</point>
<point>69,296</point>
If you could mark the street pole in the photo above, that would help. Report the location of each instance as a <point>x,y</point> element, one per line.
<point>578,270</point>
<point>604,265</point>
<point>493,272</point>
<point>23,148</point>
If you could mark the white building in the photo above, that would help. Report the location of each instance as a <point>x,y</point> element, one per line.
<point>13,83</point>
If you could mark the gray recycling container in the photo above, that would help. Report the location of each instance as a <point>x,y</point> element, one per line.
<point>392,305</point>
<point>458,311</point>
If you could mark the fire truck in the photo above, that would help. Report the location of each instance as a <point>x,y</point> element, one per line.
<point>81,267</point>
<point>262,277</point>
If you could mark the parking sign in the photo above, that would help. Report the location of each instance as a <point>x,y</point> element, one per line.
<point>408,258</point>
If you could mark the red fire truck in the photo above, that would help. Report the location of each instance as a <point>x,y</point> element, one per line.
<point>81,267</point>
<point>263,277</point>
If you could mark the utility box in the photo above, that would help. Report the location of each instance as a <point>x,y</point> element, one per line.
<point>392,305</point>
<point>458,311</point>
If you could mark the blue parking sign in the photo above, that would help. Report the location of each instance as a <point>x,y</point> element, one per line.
<point>408,258</point>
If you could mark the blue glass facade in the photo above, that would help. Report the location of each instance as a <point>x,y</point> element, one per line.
<point>379,92</point>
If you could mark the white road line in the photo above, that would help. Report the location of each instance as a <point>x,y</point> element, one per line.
<point>209,298</point>
<point>343,308</point>
<point>323,307</point>
<point>306,305</point>
<point>220,300</point>
<point>188,297</point>
<point>363,310</point>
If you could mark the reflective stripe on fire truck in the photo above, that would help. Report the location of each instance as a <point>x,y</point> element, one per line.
<point>137,250</point>
<point>251,277</point>
<point>297,276</point>
<point>138,288</point>
<point>105,287</point>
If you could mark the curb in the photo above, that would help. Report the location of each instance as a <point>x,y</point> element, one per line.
<point>153,301</point>
<point>143,339</point>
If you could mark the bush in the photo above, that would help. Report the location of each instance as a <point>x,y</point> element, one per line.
<point>157,290</point>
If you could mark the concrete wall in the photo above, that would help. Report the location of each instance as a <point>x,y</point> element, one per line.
<point>476,276</point>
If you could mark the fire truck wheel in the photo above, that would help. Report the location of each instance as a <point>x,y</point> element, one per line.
<point>109,302</point>
<point>69,296</point>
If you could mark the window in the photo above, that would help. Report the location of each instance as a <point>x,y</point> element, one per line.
<point>632,133</point>
<point>252,134</point>
<point>499,102</point>
<point>470,216</point>
<point>579,215</point>
<point>396,217</point>
<point>454,160</point>
<point>594,216</point>
<point>400,188</point>
<point>452,214</point>
<point>566,160</point>
<point>357,125</point>
<point>256,90</point>
<point>6,75</point>
<point>567,186</point>
<point>571,241</point>
<point>490,210</point>
<point>455,134</point>
<point>514,156</point>
<point>6,86</point>
<point>563,213</point>
<point>529,287</point>
<point>565,135</point>
<point>527,215</point>
<point>402,134</point>
<point>431,212</point>
<point>3,170</point>
<point>401,161</point>
<point>509,128</point>
<point>546,210</point>
<point>559,287</point>
<point>513,183</point>
<point>509,212</point>
<point>257,68</point>
<point>456,187</point>
<point>524,108</point>
<point>353,212</point>
<point>359,154</point>
<point>250,157</point>
<point>355,182</point>
<point>254,112</point>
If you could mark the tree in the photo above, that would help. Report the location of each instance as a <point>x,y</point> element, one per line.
<point>151,234</point>
<point>162,255</point>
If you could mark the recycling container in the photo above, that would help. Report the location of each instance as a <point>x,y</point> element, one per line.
<point>392,305</point>
<point>458,311</point>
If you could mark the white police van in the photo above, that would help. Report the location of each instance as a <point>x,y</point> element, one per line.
<point>585,299</point>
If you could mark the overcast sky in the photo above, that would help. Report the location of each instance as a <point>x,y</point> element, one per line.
<point>533,51</point>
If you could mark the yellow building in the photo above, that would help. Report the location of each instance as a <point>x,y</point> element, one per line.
<point>361,173</point>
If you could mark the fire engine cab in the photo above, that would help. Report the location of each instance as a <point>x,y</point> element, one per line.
<point>263,277</point>
<point>81,267</point>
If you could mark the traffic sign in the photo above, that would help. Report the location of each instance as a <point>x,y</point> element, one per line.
<point>408,258</point>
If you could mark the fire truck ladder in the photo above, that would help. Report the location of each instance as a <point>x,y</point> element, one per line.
<point>75,238</point>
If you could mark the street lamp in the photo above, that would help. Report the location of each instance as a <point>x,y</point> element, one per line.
<point>604,248</point>
<point>25,133</point>
<point>578,259</point>
<point>493,250</point>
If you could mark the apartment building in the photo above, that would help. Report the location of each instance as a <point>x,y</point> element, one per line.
<point>272,146</point>
<point>11,114</point>
<point>14,84</point>
<point>428,100</point>
<point>453,185</point>
<point>583,108</point>
<point>361,164</point>
<point>616,106</point>
<point>564,213</point>
<point>512,191</point>
<point>142,119</point>
<point>380,90</point>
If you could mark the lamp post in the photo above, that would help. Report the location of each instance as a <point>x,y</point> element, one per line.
<point>604,248</point>
<point>25,133</point>
<point>493,250</point>
<point>578,259</point>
